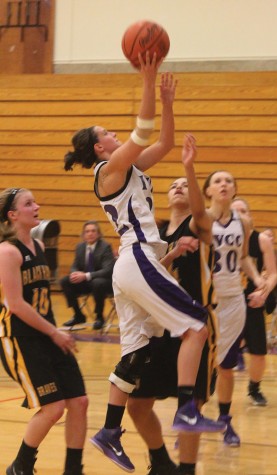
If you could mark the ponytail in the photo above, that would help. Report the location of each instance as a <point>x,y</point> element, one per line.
<point>69,161</point>
<point>84,154</point>
<point>7,232</point>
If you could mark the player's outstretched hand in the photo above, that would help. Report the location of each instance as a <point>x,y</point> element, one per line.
<point>167,88</point>
<point>189,150</point>
<point>149,67</point>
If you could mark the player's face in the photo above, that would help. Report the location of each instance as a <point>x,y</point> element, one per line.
<point>107,139</point>
<point>26,209</point>
<point>242,208</point>
<point>90,234</point>
<point>222,187</point>
<point>178,193</point>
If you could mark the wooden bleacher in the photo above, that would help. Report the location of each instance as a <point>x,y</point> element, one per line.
<point>232,115</point>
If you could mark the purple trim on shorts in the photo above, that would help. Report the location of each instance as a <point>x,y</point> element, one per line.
<point>135,223</point>
<point>170,293</point>
<point>231,359</point>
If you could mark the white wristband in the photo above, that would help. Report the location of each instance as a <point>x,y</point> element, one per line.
<point>145,123</point>
<point>138,140</point>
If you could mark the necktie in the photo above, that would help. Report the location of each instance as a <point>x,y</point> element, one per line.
<point>90,260</point>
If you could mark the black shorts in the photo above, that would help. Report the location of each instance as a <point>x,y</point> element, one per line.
<point>255,331</point>
<point>159,377</point>
<point>45,373</point>
<point>271,302</point>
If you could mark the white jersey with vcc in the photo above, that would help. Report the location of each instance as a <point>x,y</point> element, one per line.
<point>131,209</point>
<point>228,244</point>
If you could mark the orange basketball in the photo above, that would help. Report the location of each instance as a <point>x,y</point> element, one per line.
<point>142,36</point>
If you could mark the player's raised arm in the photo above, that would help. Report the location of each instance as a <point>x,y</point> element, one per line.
<point>201,221</point>
<point>155,152</point>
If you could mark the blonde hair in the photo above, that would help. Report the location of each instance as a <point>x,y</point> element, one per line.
<point>8,199</point>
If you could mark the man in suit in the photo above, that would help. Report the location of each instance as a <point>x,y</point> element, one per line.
<point>90,273</point>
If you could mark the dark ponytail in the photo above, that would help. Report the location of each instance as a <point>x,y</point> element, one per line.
<point>83,142</point>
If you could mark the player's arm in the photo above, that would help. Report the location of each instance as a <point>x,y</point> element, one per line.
<point>155,152</point>
<point>127,154</point>
<point>258,298</point>
<point>269,261</point>
<point>184,244</point>
<point>249,268</point>
<point>201,222</point>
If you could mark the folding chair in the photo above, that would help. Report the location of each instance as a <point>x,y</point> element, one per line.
<point>110,320</point>
<point>85,304</point>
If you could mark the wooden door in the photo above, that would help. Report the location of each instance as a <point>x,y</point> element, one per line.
<point>26,36</point>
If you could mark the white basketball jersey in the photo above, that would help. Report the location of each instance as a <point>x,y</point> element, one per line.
<point>228,242</point>
<point>131,211</point>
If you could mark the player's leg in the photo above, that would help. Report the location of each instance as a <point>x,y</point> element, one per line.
<point>157,294</point>
<point>134,351</point>
<point>123,380</point>
<point>172,308</point>
<point>231,313</point>
<point>159,379</point>
<point>188,452</point>
<point>72,386</point>
<point>36,430</point>
<point>75,433</point>
<point>255,331</point>
<point>149,427</point>
<point>225,389</point>
<point>33,364</point>
<point>188,443</point>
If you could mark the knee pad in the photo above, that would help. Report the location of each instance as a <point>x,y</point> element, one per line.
<point>128,371</point>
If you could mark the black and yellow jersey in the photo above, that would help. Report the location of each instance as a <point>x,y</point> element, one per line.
<point>193,270</point>
<point>35,275</point>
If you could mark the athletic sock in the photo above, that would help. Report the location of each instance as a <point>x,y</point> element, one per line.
<point>114,416</point>
<point>159,456</point>
<point>185,394</point>
<point>253,387</point>
<point>224,408</point>
<point>187,468</point>
<point>26,454</point>
<point>73,458</point>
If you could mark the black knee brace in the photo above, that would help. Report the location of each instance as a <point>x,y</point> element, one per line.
<point>128,371</point>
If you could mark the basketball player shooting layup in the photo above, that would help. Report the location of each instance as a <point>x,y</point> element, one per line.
<point>142,286</point>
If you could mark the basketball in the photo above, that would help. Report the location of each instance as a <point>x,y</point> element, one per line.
<point>144,36</point>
